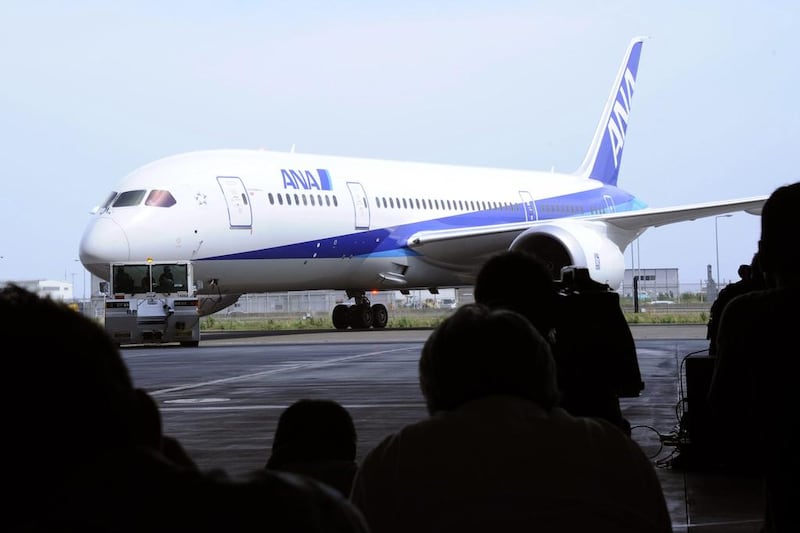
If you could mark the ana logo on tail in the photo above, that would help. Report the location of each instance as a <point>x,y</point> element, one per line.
<point>618,121</point>
<point>605,152</point>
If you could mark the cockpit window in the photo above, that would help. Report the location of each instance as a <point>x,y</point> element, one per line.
<point>107,203</point>
<point>102,208</point>
<point>159,198</point>
<point>129,198</point>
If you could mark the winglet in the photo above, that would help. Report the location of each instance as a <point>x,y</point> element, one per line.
<point>605,153</point>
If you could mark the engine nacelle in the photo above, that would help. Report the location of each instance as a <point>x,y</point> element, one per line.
<point>577,243</point>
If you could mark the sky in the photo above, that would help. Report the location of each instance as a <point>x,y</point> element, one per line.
<point>91,90</point>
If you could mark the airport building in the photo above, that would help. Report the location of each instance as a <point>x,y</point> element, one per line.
<point>57,290</point>
<point>654,284</point>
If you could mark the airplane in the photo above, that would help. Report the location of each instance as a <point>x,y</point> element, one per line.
<point>261,221</point>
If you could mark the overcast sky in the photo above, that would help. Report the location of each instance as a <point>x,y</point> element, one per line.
<point>92,90</point>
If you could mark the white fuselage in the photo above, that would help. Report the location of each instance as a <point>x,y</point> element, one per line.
<point>267,221</point>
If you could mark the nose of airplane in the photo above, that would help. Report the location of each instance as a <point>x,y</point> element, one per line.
<point>103,242</point>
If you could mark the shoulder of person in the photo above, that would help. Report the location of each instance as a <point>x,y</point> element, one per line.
<point>293,502</point>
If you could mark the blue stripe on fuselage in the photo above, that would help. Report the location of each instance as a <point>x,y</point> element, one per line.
<point>392,241</point>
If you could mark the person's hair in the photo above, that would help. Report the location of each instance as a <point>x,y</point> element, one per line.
<point>67,387</point>
<point>313,430</point>
<point>779,228</point>
<point>478,351</point>
<point>519,281</point>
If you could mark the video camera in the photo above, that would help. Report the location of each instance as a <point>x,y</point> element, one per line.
<point>594,338</point>
<point>575,280</point>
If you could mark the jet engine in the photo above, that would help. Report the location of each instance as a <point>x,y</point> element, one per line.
<point>583,244</point>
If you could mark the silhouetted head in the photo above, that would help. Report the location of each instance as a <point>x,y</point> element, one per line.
<point>313,430</point>
<point>68,394</point>
<point>777,248</point>
<point>519,281</point>
<point>744,271</point>
<point>478,351</point>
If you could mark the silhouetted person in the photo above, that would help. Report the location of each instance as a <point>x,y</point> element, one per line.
<point>123,282</point>
<point>496,453</point>
<point>751,279</point>
<point>84,452</point>
<point>519,281</point>
<point>754,388</point>
<point>316,438</point>
<point>166,281</point>
<point>149,427</point>
<point>591,341</point>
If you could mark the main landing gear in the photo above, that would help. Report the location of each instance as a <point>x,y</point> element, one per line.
<point>360,315</point>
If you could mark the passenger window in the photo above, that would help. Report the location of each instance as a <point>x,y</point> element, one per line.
<point>158,198</point>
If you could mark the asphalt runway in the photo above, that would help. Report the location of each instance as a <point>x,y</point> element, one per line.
<point>222,399</point>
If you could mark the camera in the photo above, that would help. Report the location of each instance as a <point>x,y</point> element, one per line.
<point>594,339</point>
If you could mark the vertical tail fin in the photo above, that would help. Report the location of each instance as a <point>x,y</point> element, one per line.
<point>605,153</point>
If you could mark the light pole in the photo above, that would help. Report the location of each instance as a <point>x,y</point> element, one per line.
<point>83,292</point>
<point>716,246</point>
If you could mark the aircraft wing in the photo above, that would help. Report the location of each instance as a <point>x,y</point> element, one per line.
<point>660,216</point>
<point>486,240</point>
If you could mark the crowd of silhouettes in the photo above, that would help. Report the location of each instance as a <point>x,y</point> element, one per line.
<point>496,453</point>
<point>590,339</point>
<point>87,453</point>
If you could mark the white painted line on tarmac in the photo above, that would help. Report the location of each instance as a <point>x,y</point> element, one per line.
<point>188,407</point>
<point>287,368</point>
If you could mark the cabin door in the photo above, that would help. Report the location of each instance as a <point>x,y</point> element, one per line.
<point>360,204</point>
<point>240,214</point>
<point>609,200</point>
<point>529,206</point>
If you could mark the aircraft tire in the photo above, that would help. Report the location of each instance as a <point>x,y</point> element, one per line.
<point>361,316</point>
<point>380,316</point>
<point>341,317</point>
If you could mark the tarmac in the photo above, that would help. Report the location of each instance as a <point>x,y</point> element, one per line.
<point>223,398</point>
